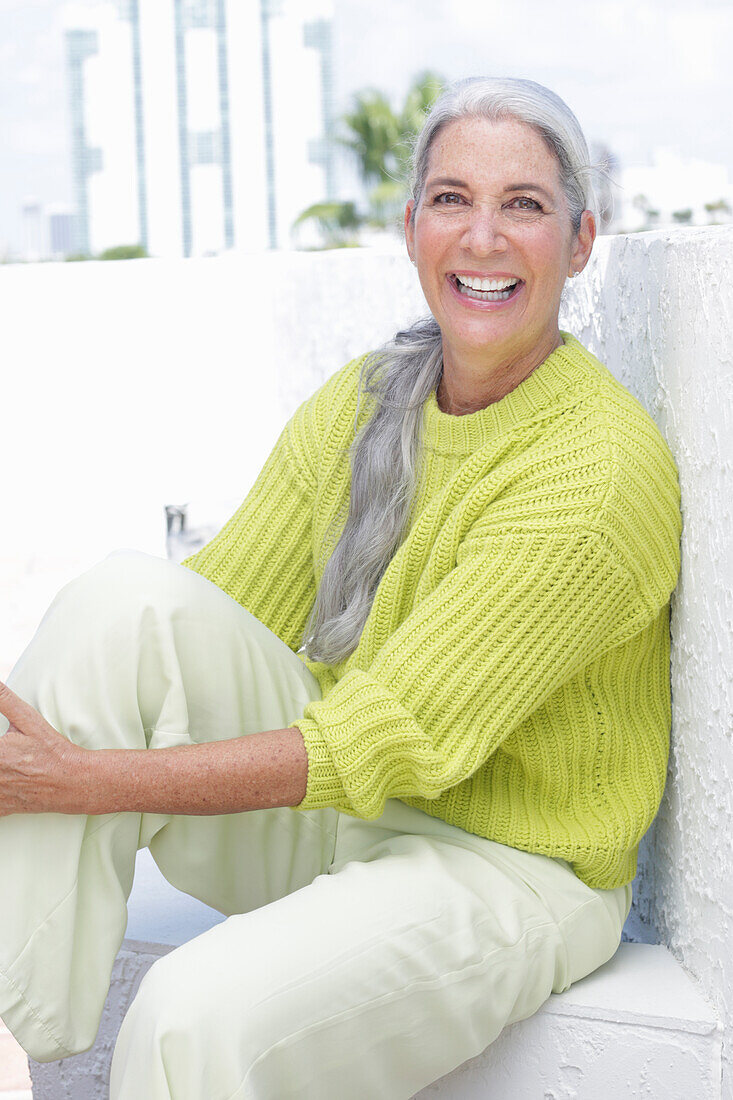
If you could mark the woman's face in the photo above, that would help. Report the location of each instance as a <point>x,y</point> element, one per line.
<point>493,208</point>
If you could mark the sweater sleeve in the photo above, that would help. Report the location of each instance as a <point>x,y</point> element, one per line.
<point>263,557</point>
<point>517,616</point>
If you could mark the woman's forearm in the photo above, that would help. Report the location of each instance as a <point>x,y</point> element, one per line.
<point>253,772</point>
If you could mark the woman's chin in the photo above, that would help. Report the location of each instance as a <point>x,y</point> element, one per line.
<point>482,332</point>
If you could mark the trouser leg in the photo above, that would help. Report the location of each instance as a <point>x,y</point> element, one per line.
<point>135,653</point>
<point>408,958</point>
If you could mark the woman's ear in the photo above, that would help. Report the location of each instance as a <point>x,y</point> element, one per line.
<point>409,230</point>
<point>584,239</point>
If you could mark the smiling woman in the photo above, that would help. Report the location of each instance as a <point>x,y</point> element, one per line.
<point>498,317</point>
<point>437,628</point>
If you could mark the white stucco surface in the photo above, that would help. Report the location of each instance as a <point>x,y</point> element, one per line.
<point>657,308</point>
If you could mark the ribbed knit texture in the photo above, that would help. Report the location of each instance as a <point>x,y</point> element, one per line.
<point>513,675</point>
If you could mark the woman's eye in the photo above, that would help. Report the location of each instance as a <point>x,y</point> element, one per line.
<point>526,203</point>
<point>447,195</point>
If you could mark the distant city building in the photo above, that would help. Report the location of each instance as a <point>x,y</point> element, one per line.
<point>49,231</point>
<point>62,235</point>
<point>672,191</point>
<point>198,126</point>
<point>34,231</point>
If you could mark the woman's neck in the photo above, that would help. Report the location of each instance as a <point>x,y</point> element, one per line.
<point>461,391</point>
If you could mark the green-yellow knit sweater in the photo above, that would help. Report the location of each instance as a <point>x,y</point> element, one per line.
<point>513,675</point>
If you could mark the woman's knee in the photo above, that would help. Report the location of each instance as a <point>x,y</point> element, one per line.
<point>124,578</point>
<point>157,1027</point>
<point>180,1028</point>
<point>108,600</point>
<point>161,1002</point>
<point>98,654</point>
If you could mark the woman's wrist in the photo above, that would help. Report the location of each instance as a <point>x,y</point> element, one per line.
<point>133,780</point>
<point>105,776</point>
<point>69,787</point>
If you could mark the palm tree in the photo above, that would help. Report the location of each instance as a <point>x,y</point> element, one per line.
<point>722,207</point>
<point>375,132</point>
<point>421,95</point>
<point>649,214</point>
<point>336,220</point>
<point>382,142</point>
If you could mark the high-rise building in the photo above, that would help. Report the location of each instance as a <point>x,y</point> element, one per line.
<point>34,236</point>
<point>61,231</point>
<point>198,125</point>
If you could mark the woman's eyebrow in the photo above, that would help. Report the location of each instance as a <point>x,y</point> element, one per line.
<point>446,181</point>
<point>528,187</point>
<point>450,181</point>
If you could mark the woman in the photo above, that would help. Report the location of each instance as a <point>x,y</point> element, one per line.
<point>441,616</point>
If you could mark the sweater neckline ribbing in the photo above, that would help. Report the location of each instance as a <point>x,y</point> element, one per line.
<point>560,372</point>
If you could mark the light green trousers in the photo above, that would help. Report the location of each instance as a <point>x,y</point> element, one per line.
<point>360,959</point>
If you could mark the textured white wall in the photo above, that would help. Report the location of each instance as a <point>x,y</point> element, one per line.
<point>658,309</point>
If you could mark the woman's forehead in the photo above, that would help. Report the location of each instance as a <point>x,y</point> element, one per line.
<point>473,149</point>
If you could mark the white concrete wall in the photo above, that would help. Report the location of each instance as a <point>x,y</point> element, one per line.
<point>126,386</point>
<point>658,309</point>
<point>130,384</point>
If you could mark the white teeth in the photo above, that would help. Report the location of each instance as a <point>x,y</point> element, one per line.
<point>477,283</point>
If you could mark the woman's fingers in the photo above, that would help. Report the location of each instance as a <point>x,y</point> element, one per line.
<point>41,771</point>
<point>30,722</point>
<point>18,712</point>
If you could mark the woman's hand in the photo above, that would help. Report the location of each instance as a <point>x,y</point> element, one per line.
<point>41,771</point>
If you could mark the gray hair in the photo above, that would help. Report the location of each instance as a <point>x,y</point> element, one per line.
<point>498,98</point>
<point>401,374</point>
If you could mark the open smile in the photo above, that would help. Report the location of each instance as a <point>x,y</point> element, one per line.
<point>503,292</point>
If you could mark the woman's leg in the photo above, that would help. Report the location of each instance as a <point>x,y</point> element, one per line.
<point>139,652</point>
<point>413,953</point>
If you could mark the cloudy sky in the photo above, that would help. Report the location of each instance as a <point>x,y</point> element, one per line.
<point>637,74</point>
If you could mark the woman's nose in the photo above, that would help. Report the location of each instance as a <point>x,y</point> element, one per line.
<point>484,232</point>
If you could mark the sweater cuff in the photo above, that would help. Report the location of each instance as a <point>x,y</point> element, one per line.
<point>324,787</point>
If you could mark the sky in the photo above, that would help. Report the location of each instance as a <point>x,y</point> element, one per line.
<point>637,74</point>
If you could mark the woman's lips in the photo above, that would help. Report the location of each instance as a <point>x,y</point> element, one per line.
<point>476,303</point>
